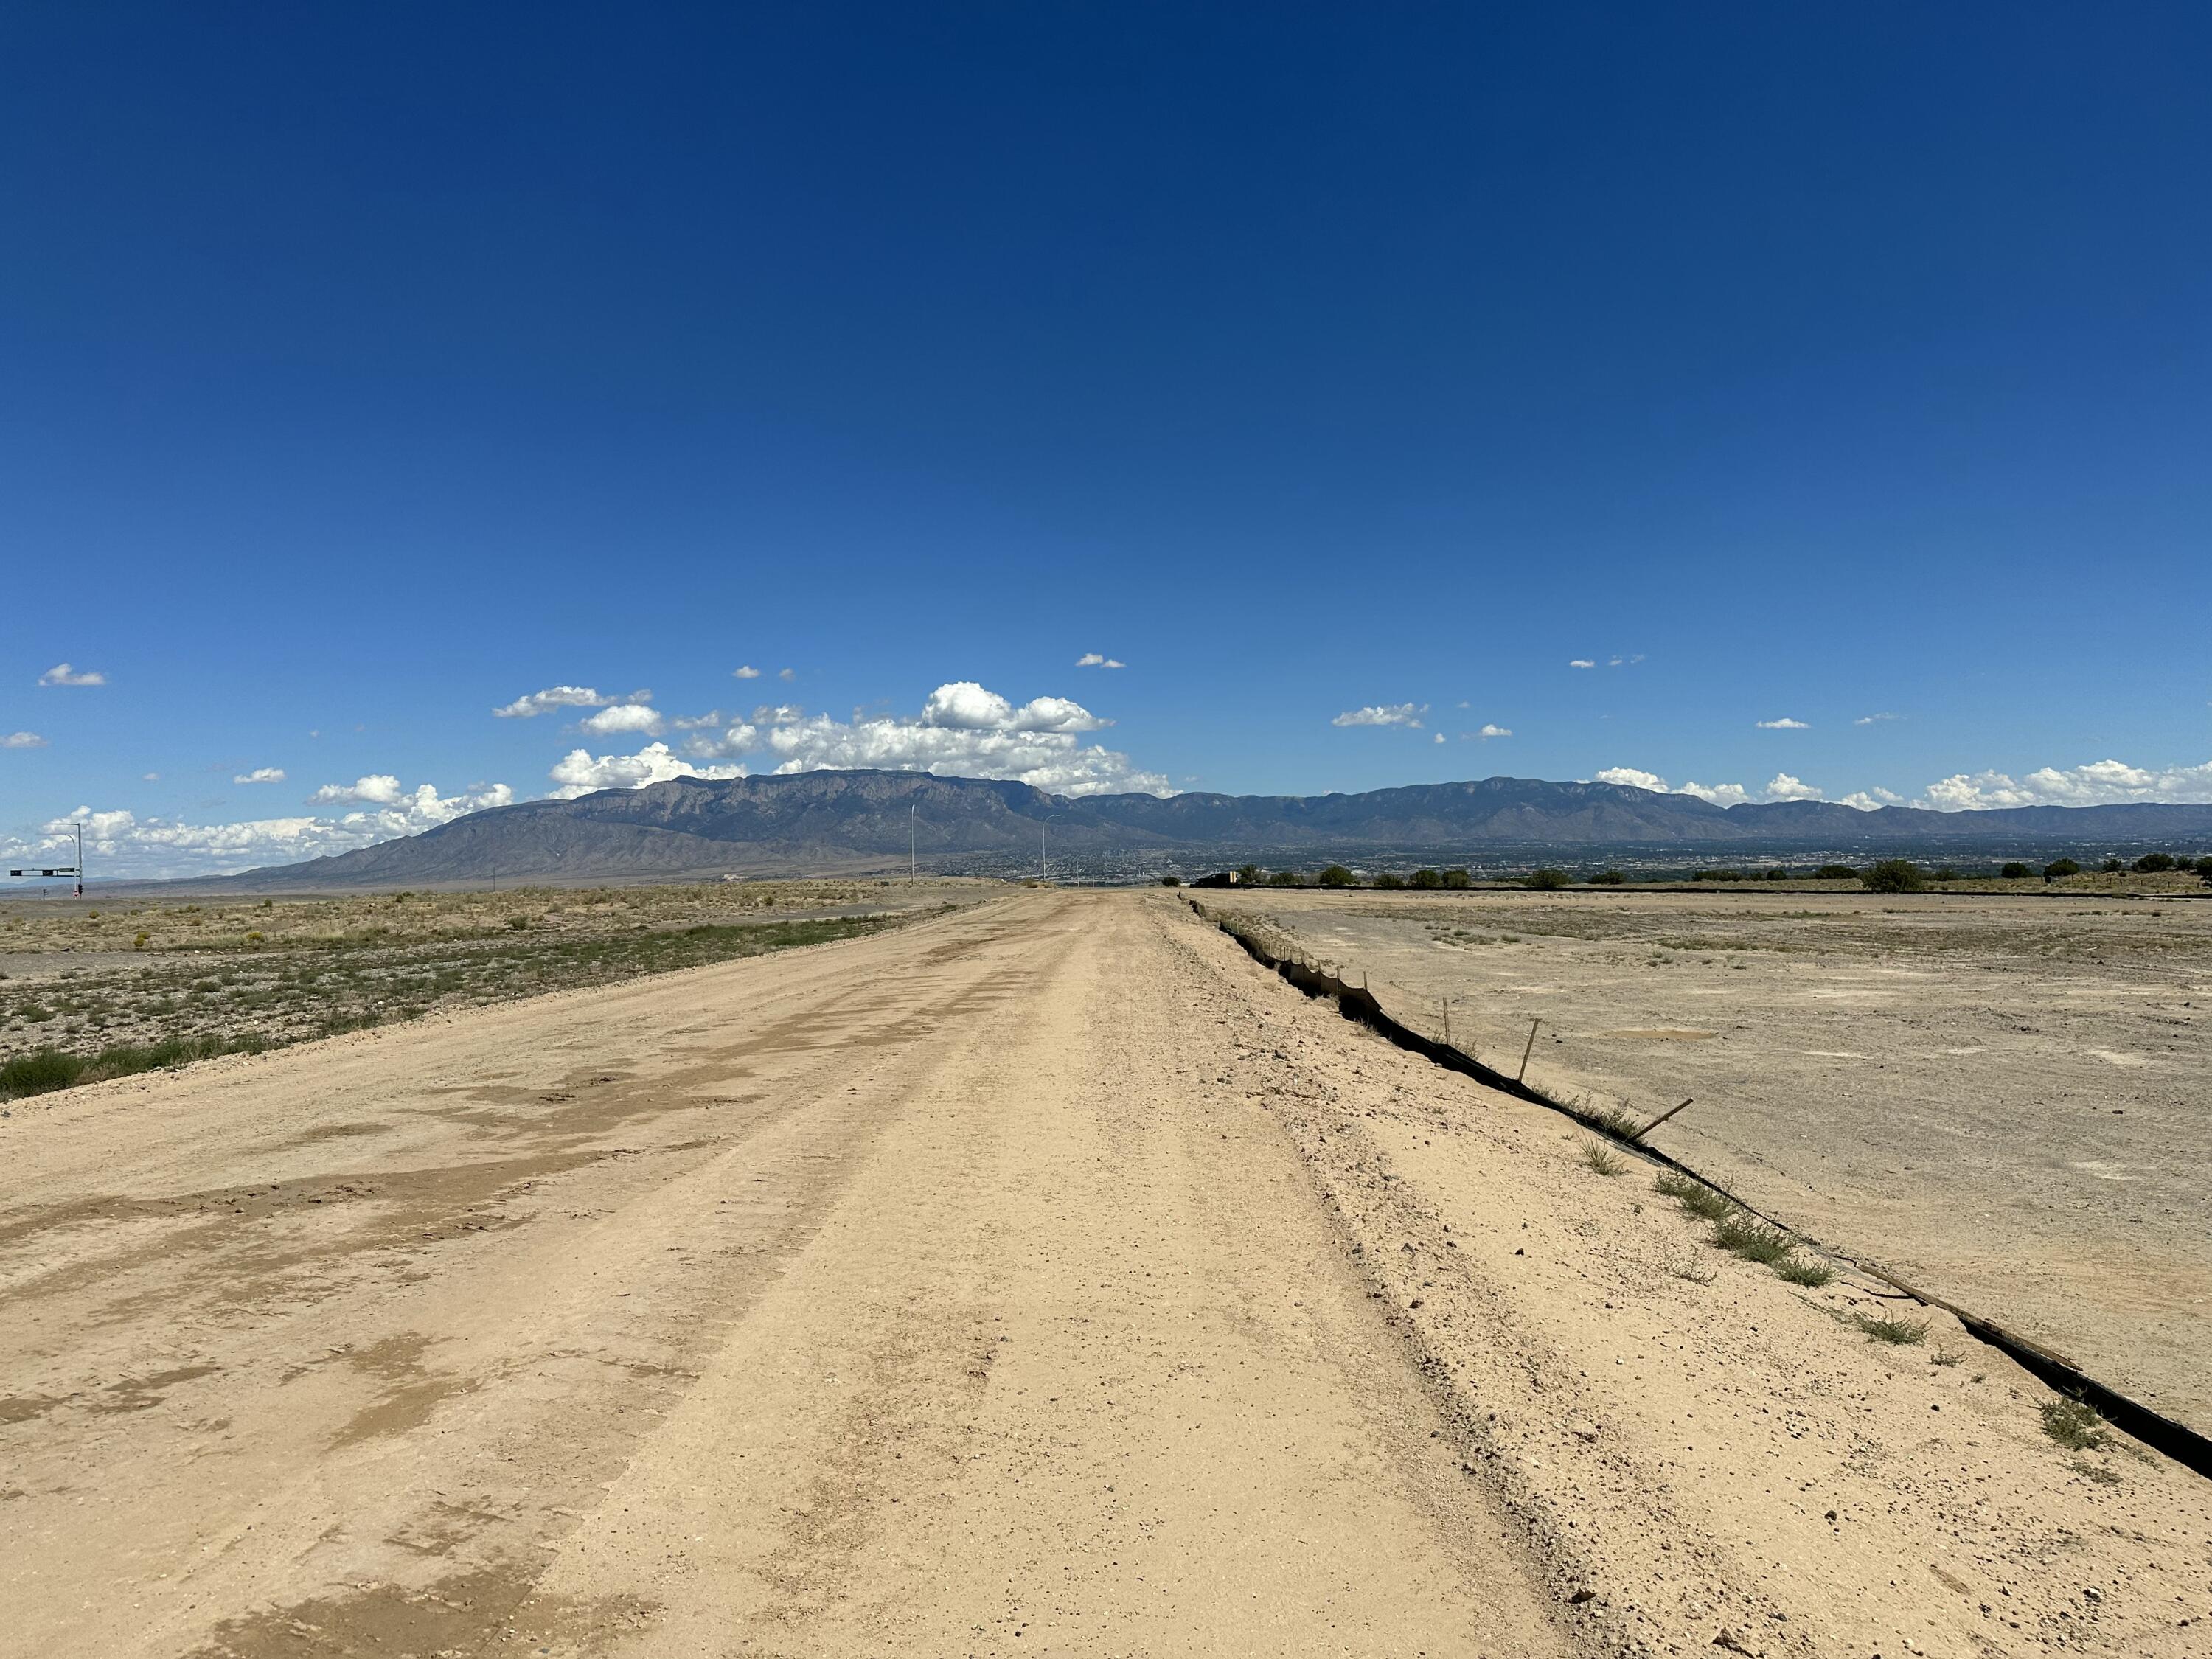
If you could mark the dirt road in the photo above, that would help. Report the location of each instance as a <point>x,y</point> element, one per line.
<point>1046,1279</point>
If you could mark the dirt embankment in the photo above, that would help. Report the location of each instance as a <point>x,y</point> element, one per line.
<point>1044,1278</point>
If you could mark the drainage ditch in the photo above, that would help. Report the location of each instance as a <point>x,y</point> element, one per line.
<point>2177,1440</point>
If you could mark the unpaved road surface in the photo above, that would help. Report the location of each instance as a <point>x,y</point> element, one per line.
<point>1047,1278</point>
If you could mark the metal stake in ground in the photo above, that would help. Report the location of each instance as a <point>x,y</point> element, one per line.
<point>1527,1050</point>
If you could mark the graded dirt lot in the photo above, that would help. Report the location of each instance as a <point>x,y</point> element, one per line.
<point>2005,1101</point>
<point>1044,1277</point>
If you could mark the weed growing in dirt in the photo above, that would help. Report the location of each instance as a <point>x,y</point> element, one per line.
<point>2075,1425</point>
<point>2094,1473</point>
<point>1689,1267</point>
<point>1888,1327</point>
<point>1601,1159</point>
<point>1804,1270</point>
<point>44,1070</point>
<point>1693,1195</point>
<point>1753,1239</point>
<point>1617,1120</point>
<point>1943,1356</point>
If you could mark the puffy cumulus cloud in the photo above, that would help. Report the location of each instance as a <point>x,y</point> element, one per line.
<point>580,772</point>
<point>1440,737</point>
<point>1489,731</point>
<point>22,740</point>
<point>1394,714</point>
<point>1634,777</point>
<point>1583,662</point>
<point>563,697</point>
<point>966,706</point>
<point>1721,795</point>
<point>746,671</point>
<point>1097,659</point>
<point>381,787</point>
<point>626,717</point>
<point>62,674</point>
<point>2099,783</point>
<point>1871,800</point>
<point>260,775</point>
<point>1785,724</point>
<point>127,845</point>
<point>963,730</point>
<point>1785,787</point>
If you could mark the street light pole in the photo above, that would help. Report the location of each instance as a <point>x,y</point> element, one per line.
<point>76,825</point>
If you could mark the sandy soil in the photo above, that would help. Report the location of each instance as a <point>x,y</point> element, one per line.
<point>2004,1101</point>
<point>1043,1279</point>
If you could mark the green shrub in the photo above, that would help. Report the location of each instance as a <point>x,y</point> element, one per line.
<point>1753,1239</point>
<point>1718,875</point>
<point>1835,872</point>
<point>1337,875</point>
<point>1426,879</point>
<point>1389,882</point>
<point>2057,867</point>
<point>2015,870</point>
<point>1458,877</point>
<point>1944,873</point>
<point>1170,881</point>
<point>1547,878</point>
<point>2153,864</point>
<point>1895,875</point>
<point>2074,1424</point>
<point>2204,867</point>
<point>2110,866</point>
<point>1285,878</point>
<point>1607,878</point>
<point>1777,873</point>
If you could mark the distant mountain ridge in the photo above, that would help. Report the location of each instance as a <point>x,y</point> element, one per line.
<point>852,821</point>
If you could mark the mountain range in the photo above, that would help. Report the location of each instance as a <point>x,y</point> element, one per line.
<point>842,822</point>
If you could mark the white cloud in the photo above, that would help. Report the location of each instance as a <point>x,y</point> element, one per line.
<point>1621,662</point>
<point>126,845</point>
<point>747,672</point>
<point>1868,719</point>
<point>1871,800</point>
<point>2099,783</point>
<point>1785,724</point>
<point>261,775</point>
<point>1634,778</point>
<point>381,788</point>
<point>624,717</point>
<point>580,772</point>
<point>786,673</point>
<point>1785,787</point>
<point>62,674</point>
<point>1095,660</point>
<point>22,740</point>
<point>552,697</point>
<point>1489,731</point>
<point>1440,737</point>
<point>1583,662</point>
<point>1396,713</point>
<point>963,730</point>
<point>697,722</point>
<point>1721,795</point>
<point>151,777</point>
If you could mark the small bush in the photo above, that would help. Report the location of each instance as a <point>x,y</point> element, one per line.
<point>2110,866</point>
<point>1427,880</point>
<point>1888,1328</point>
<point>1547,879</point>
<point>1601,1159</point>
<point>1458,877</point>
<point>1337,875</point>
<point>1690,1267</point>
<point>2204,867</point>
<point>1835,872</point>
<point>1777,873</point>
<point>1285,878</point>
<point>1804,1270</point>
<point>1607,878</point>
<point>2153,864</point>
<point>1693,1195</point>
<point>1170,881</point>
<point>2015,871</point>
<point>1944,873</point>
<point>1717,875</point>
<point>1895,875</point>
<point>2057,867</point>
<point>1753,1239</point>
<point>1389,882</point>
<point>2075,1425</point>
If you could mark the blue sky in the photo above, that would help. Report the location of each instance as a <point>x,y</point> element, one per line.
<point>363,371</point>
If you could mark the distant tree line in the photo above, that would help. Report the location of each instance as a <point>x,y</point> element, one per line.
<point>1885,876</point>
